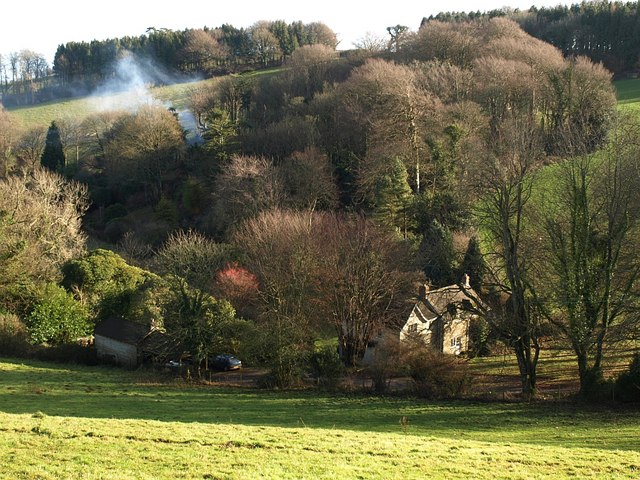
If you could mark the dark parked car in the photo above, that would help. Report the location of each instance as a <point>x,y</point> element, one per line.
<point>225,362</point>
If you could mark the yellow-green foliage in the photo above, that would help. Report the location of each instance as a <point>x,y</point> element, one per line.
<point>91,423</point>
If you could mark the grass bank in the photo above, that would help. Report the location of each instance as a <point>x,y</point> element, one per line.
<point>79,422</point>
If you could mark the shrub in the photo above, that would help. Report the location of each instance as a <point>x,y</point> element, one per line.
<point>14,339</point>
<point>628,383</point>
<point>388,355</point>
<point>116,228</point>
<point>105,280</point>
<point>479,338</point>
<point>327,367</point>
<point>285,367</point>
<point>166,211</point>
<point>57,318</point>
<point>438,375</point>
<point>595,388</point>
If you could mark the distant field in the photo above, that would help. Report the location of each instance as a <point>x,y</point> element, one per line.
<point>79,422</point>
<point>176,96</point>
<point>628,91</point>
<point>628,94</point>
<point>42,115</point>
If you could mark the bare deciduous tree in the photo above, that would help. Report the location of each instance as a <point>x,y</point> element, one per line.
<point>42,222</point>
<point>506,180</point>
<point>30,147</point>
<point>367,279</point>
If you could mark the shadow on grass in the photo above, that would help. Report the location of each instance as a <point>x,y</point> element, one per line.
<point>27,387</point>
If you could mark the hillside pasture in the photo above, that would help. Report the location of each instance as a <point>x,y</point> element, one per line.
<point>93,422</point>
<point>628,95</point>
<point>41,115</point>
<point>175,96</point>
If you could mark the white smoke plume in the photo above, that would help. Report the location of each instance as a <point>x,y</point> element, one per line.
<point>129,88</point>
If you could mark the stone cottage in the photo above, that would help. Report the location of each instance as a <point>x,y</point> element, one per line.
<point>441,317</point>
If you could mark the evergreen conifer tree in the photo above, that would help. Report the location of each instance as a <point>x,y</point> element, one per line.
<point>53,155</point>
<point>473,264</point>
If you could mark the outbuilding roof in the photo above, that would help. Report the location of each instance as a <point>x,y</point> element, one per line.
<point>122,330</point>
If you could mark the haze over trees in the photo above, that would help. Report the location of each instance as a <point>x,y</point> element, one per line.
<point>322,194</point>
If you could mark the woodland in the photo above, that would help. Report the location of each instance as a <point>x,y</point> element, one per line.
<point>320,189</point>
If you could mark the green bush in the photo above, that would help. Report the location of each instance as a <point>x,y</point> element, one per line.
<point>166,211</point>
<point>285,365</point>
<point>57,318</point>
<point>437,375</point>
<point>327,367</point>
<point>479,337</point>
<point>106,281</point>
<point>627,387</point>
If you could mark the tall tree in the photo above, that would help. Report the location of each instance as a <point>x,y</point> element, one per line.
<point>141,148</point>
<point>30,148</point>
<point>507,181</point>
<point>367,276</point>
<point>281,250</point>
<point>53,157</point>
<point>40,220</point>
<point>592,221</point>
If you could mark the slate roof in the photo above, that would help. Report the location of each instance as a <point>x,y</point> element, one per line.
<point>122,330</point>
<point>437,302</point>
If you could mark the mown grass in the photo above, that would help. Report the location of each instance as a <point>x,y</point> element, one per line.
<point>79,422</point>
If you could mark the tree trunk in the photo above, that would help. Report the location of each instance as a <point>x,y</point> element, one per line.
<point>527,365</point>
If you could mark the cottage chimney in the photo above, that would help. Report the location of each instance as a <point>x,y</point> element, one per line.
<point>422,291</point>
<point>465,281</point>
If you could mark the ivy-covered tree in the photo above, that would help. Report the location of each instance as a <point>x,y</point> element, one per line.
<point>104,281</point>
<point>57,318</point>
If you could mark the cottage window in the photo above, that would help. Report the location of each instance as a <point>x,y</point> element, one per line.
<point>413,328</point>
<point>456,342</point>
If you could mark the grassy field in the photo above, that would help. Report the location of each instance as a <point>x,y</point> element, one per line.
<point>80,422</point>
<point>628,91</point>
<point>176,96</point>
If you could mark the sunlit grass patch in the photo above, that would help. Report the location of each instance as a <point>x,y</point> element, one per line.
<point>109,423</point>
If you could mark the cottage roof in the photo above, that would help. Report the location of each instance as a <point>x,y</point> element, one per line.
<point>122,330</point>
<point>438,302</point>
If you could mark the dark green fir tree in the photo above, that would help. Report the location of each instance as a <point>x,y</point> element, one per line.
<point>53,155</point>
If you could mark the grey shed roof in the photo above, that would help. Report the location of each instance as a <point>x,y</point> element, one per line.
<point>122,330</point>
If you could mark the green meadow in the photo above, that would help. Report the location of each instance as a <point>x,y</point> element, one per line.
<point>104,423</point>
<point>175,95</point>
